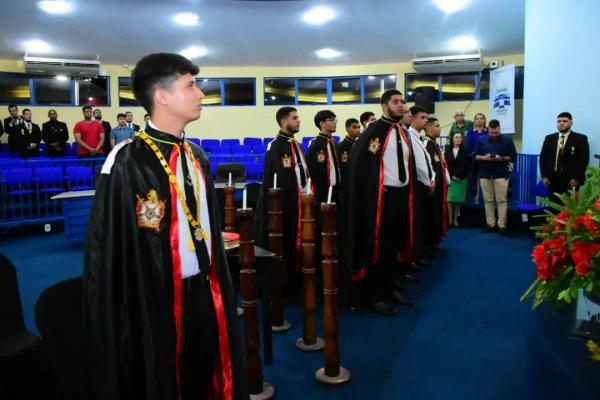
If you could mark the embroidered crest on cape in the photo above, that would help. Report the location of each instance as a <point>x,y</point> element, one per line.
<point>345,156</point>
<point>374,145</point>
<point>321,156</point>
<point>286,160</point>
<point>150,211</point>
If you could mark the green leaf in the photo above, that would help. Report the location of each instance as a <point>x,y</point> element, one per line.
<point>589,287</point>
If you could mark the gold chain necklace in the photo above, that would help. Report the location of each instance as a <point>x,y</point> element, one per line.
<point>199,233</point>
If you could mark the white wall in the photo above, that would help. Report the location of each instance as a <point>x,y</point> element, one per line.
<point>562,70</point>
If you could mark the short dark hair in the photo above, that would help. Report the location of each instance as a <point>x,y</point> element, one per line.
<point>387,95</point>
<point>414,110</point>
<point>25,109</point>
<point>565,114</point>
<point>351,121</point>
<point>364,117</point>
<point>86,108</point>
<point>283,113</point>
<point>12,106</point>
<point>158,70</point>
<point>323,116</point>
<point>128,112</point>
<point>146,115</point>
<point>120,115</point>
<point>494,123</point>
<point>431,120</point>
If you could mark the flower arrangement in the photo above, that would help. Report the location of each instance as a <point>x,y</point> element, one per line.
<point>568,258</point>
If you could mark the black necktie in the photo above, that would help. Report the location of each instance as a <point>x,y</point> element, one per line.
<point>401,168</point>
<point>190,199</point>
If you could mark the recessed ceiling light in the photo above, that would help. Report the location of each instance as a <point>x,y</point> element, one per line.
<point>463,43</point>
<point>451,6</point>
<point>371,77</point>
<point>187,19</point>
<point>36,46</point>
<point>273,98</point>
<point>194,52</point>
<point>61,78</point>
<point>327,53</point>
<point>318,15</point>
<point>90,98</point>
<point>55,6</point>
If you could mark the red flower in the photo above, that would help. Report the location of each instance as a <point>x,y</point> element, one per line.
<point>581,253</point>
<point>562,216</point>
<point>542,262</point>
<point>549,257</point>
<point>588,223</point>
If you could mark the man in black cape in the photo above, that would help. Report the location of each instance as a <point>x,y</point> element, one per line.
<point>380,172</point>
<point>437,204</point>
<point>284,157</point>
<point>159,308</point>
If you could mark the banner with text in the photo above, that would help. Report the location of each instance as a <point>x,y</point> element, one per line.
<point>502,97</point>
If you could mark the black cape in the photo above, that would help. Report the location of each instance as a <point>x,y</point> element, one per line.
<point>364,196</point>
<point>317,159</point>
<point>129,293</point>
<point>437,201</point>
<point>279,158</point>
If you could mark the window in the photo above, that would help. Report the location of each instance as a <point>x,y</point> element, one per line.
<point>416,83</point>
<point>239,92</point>
<point>49,91</point>
<point>345,90</point>
<point>375,85</point>
<point>312,91</point>
<point>459,86</point>
<point>212,91</point>
<point>93,91</point>
<point>280,91</point>
<point>126,97</point>
<point>14,88</point>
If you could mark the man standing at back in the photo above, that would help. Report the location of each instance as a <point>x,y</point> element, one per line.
<point>564,157</point>
<point>284,157</point>
<point>130,123</point>
<point>107,128</point>
<point>460,125</point>
<point>55,134</point>
<point>159,305</point>
<point>89,135</point>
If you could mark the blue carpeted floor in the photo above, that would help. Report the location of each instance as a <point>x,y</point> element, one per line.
<point>467,336</point>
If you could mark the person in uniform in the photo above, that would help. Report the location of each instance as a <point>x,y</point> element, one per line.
<point>285,158</point>
<point>28,136</point>
<point>159,308</point>
<point>55,134</point>
<point>345,145</point>
<point>380,175</point>
<point>437,207</point>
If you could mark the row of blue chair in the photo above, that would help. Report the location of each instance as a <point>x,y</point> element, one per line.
<point>5,150</point>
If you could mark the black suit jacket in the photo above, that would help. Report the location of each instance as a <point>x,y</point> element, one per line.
<point>576,157</point>
<point>457,166</point>
<point>23,139</point>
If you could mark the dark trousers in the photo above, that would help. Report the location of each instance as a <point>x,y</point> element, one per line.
<point>558,184</point>
<point>393,229</point>
<point>200,339</point>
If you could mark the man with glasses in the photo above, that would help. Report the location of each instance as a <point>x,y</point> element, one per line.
<point>460,125</point>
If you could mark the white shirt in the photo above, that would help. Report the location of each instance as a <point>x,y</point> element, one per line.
<point>390,160</point>
<point>455,151</point>
<point>425,172</point>
<point>189,260</point>
<point>332,178</point>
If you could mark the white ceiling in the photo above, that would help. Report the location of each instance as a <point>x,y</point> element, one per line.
<point>247,32</point>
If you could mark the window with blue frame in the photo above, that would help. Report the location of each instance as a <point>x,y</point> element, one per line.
<point>280,91</point>
<point>93,91</point>
<point>228,91</point>
<point>126,97</point>
<point>458,87</point>
<point>14,88</point>
<point>52,91</point>
<point>326,90</point>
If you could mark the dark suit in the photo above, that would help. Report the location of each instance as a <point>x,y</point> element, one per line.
<point>572,163</point>
<point>55,132</point>
<point>457,166</point>
<point>136,127</point>
<point>106,146</point>
<point>12,133</point>
<point>24,138</point>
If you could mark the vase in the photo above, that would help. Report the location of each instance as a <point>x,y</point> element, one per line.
<point>587,315</point>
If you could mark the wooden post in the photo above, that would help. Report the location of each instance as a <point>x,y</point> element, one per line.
<point>258,388</point>
<point>275,228</point>
<point>230,221</point>
<point>309,340</point>
<point>332,373</point>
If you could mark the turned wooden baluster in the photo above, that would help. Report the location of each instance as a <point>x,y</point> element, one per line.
<point>230,221</point>
<point>257,387</point>
<point>309,340</point>
<point>275,228</point>
<point>332,373</point>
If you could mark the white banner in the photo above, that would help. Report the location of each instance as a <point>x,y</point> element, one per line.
<point>502,97</point>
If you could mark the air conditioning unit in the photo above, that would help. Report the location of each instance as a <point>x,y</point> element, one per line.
<point>61,66</point>
<point>448,64</point>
